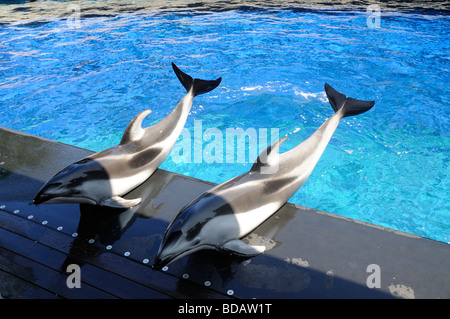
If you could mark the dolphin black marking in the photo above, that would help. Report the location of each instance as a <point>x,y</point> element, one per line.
<point>220,217</point>
<point>104,177</point>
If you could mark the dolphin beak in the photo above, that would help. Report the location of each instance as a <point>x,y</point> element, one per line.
<point>39,198</point>
<point>160,263</point>
<point>163,258</point>
<point>157,264</point>
<point>49,191</point>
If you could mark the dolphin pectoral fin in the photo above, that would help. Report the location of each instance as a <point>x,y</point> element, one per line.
<point>240,248</point>
<point>120,202</point>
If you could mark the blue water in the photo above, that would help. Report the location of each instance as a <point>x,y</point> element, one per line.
<point>389,166</point>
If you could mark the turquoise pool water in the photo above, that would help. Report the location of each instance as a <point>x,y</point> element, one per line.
<point>81,84</point>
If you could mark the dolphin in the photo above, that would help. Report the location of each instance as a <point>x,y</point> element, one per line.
<point>220,217</point>
<point>104,177</point>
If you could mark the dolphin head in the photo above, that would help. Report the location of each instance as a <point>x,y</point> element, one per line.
<point>50,192</point>
<point>176,243</point>
<point>59,190</point>
<point>206,223</point>
<point>72,185</point>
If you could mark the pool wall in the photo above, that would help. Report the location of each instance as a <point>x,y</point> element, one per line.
<point>309,253</point>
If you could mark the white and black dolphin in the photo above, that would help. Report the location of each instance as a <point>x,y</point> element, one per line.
<point>220,217</point>
<point>104,177</point>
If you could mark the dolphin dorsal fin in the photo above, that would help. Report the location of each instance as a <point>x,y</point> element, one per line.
<point>269,155</point>
<point>134,130</point>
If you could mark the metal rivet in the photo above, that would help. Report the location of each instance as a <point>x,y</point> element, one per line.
<point>165,268</point>
<point>74,234</point>
<point>145,261</point>
<point>44,222</point>
<point>16,211</point>
<point>207,283</point>
<point>127,253</point>
<point>230,292</point>
<point>59,228</point>
<point>108,247</point>
<point>3,206</point>
<point>30,217</point>
<point>185,276</point>
<point>91,241</point>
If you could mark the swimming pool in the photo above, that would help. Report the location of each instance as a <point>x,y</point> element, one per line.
<point>82,83</point>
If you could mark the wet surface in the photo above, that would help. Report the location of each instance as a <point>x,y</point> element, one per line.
<point>309,254</point>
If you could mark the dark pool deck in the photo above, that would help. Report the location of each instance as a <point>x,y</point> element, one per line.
<point>310,254</point>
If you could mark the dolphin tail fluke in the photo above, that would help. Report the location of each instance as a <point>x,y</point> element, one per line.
<point>350,106</point>
<point>198,86</point>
